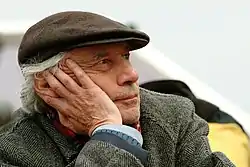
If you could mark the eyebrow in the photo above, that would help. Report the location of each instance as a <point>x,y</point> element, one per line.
<point>100,54</point>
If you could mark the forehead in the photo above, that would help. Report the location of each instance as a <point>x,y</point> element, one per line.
<point>100,50</point>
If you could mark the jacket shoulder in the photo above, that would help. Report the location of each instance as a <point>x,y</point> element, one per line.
<point>167,105</point>
<point>173,113</point>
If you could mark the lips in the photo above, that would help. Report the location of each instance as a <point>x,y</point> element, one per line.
<point>126,97</point>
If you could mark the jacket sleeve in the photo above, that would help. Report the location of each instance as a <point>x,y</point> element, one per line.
<point>109,150</point>
<point>193,148</point>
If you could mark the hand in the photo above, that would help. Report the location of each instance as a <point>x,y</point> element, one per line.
<point>80,108</point>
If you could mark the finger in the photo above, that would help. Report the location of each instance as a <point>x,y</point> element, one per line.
<point>58,104</point>
<point>66,80</point>
<point>46,92</point>
<point>81,76</point>
<point>56,85</point>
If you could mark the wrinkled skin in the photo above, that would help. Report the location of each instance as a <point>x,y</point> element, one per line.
<point>93,86</point>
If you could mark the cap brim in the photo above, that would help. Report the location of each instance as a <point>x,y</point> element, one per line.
<point>133,43</point>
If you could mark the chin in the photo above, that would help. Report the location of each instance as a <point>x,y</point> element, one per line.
<point>130,121</point>
<point>130,111</point>
<point>130,116</point>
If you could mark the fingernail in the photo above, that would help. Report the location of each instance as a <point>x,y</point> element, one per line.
<point>68,61</point>
<point>53,70</point>
<point>45,74</point>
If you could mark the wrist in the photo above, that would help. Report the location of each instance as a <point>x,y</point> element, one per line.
<point>94,128</point>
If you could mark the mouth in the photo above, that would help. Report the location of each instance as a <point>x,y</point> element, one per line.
<point>126,97</point>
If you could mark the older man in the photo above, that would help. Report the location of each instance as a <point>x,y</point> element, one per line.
<point>82,107</point>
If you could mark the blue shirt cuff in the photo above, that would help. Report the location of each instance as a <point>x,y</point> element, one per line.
<point>132,132</point>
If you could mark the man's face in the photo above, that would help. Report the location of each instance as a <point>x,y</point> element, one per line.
<point>109,67</point>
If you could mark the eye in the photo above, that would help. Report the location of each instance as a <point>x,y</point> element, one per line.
<point>126,56</point>
<point>105,61</point>
<point>103,65</point>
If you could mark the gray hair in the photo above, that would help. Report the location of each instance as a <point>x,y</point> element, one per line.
<point>30,100</point>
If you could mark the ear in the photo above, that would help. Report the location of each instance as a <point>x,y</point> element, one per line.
<point>41,86</point>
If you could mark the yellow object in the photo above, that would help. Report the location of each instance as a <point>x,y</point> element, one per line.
<point>232,141</point>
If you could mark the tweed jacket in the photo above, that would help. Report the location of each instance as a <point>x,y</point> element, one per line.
<point>173,136</point>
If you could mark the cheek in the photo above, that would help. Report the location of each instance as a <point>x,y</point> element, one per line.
<point>105,82</point>
<point>100,80</point>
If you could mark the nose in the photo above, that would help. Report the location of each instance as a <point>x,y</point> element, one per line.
<point>127,75</point>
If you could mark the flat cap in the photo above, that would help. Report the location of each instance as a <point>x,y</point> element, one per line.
<point>67,30</point>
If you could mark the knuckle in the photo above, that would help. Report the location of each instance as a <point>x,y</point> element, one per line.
<point>71,96</point>
<point>66,82</point>
<point>57,88</point>
<point>48,100</point>
<point>74,67</point>
<point>89,94</point>
<point>80,74</point>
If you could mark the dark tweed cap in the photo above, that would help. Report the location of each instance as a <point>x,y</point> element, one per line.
<point>67,30</point>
